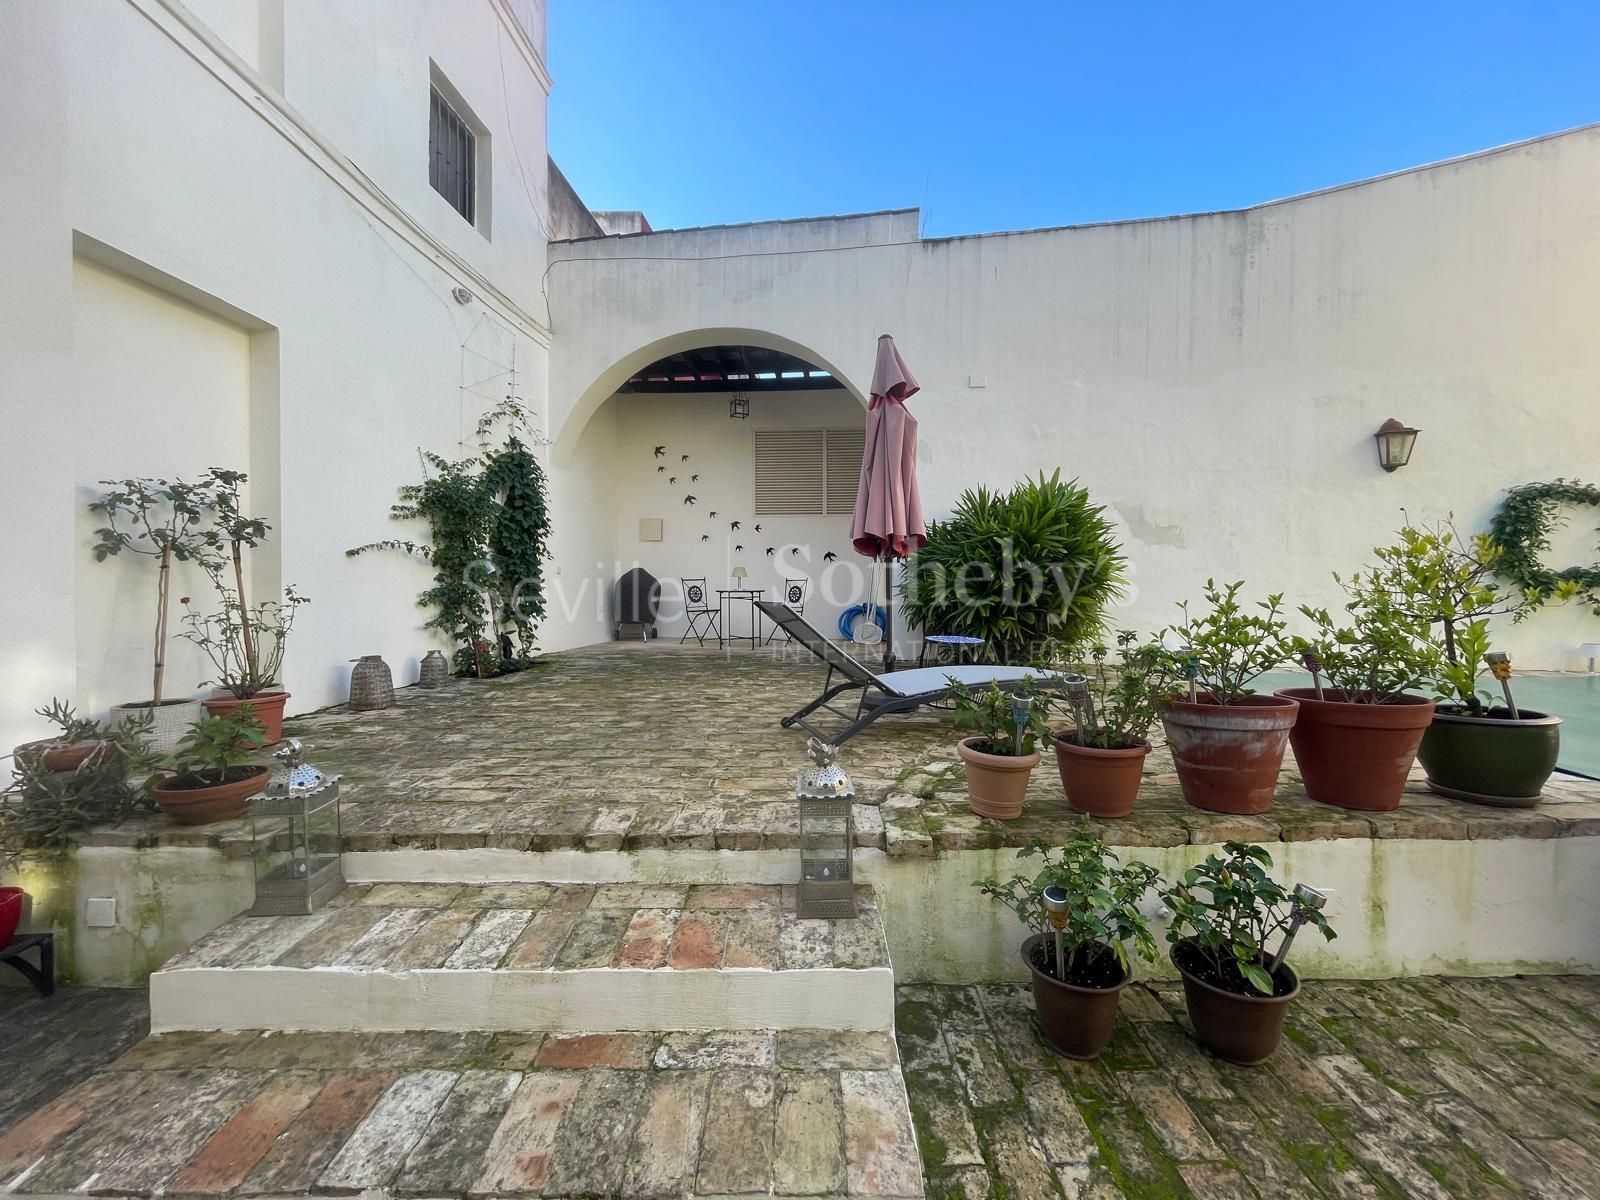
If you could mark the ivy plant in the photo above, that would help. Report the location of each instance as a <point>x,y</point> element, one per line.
<point>1228,908</point>
<point>1522,529</point>
<point>1102,896</point>
<point>1229,644</point>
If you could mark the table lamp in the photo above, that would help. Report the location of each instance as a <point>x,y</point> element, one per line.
<point>739,576</point>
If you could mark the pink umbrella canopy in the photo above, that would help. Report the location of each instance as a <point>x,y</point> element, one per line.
<point>888,517</point>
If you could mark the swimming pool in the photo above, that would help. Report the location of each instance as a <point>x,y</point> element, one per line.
<point>1572,696</point>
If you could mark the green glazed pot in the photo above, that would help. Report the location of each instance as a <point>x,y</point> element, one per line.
<point>1490,759</point>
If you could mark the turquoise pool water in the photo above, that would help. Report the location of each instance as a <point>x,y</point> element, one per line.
<point>1574,697</point>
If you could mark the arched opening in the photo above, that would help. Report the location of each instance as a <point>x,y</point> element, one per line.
<point>732,458</point>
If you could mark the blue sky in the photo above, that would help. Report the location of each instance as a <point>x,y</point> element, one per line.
<point>1008,115</point>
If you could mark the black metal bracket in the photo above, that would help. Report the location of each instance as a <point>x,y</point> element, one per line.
<point>43,977</point>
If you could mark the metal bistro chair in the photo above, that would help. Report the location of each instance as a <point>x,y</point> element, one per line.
<point>698,608</point>
<point>794,596</point>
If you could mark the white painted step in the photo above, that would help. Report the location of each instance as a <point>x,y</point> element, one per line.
<point>534,956</point>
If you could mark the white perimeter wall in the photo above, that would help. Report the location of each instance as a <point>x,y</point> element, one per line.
<point>722,452</point>
<point>1215,380</point>
<point>221,248</point>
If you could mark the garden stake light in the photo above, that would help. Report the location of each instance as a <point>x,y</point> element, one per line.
<point>1314,665</point>
<point>1305,897</point>
<point>1500,667</point>
<point>1021,709</point>
<point>1055,903</point>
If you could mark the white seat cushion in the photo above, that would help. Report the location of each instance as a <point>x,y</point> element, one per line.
<point>935,679</point>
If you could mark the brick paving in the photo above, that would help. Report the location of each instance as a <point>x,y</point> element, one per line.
<point>631,748</point>
<point>788,1113</point>
<point>550,927</point>
<point>1427,1087</point>
<point>47,1044</point>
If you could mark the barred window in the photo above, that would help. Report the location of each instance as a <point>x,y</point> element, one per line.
<point>452,157</point>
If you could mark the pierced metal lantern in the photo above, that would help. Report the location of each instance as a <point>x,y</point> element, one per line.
<point>827,836</point>
<point>296,835</point>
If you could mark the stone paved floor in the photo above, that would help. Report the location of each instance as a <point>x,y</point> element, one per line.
<point>624,747</point>
<point>1419,1088</point>
<point>47,1044</point>
<point>793,1113</point>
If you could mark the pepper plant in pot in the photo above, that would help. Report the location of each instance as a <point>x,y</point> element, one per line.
<point>1474,749</point>
<point>1231,928</point>
<point>172,522</point>
<point>1001,751</point>
<point>1227,742</point>
<point>1081,909</point>
<point>1356,736</point>
<point>212,778</point>
<point>77,741</point>
<point>1101,758</point>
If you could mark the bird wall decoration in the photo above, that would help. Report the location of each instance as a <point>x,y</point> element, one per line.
<point>758,529</point>
<point>694,479</point>
<point>688,499</point>
<point>672,479</point>
<point>705,537</point>
<point>771,550</point>
<point>736,549</point>
<point>829,556</point>
<point>660,450</point>
<point>795,550</point>
<point>733,524</point>
<point>685,458</point>
<point>661,470</point>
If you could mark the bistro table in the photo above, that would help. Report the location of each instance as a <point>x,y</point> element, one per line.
<point>726,599</point>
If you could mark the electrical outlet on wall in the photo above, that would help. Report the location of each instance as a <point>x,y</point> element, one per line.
<point>100,912</point>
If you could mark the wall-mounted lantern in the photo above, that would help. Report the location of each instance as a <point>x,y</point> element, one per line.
<point>738,406</point>
<point>1394,444</point>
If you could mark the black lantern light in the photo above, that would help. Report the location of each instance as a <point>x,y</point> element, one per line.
<point>738,406</point>
<point>1394,444</point>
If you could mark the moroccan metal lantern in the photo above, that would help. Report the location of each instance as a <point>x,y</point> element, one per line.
<point>296,835</point>
<point>827,836</point>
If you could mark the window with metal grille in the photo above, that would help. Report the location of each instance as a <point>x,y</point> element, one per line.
<point>807,472</point>
<point>452,157</point>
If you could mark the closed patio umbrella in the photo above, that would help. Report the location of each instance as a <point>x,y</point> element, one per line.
<point>888,520</point>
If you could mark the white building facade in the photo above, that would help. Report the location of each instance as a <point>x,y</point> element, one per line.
<point>226,250</point>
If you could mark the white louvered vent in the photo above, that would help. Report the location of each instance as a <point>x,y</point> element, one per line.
<point>807,472</point>
<point>844,450</point>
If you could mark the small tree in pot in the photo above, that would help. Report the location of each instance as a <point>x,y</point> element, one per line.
<point>1101,758</point>
<point>246,646</point>
<point>1091,914</point>
<point>1474,749</point>
<point>1226,914</point>
<point>1227,742</point>
<point>1355,739</point>
<point>1002,751</point>
<point>212,777</point>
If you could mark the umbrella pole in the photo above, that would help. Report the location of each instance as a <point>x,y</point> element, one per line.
<point>888,617</point>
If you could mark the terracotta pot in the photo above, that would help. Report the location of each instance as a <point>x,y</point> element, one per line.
<point>1076,1021</point>
<point>996,783</point>
<point>1242,1029</point>
<point>62,759</point>
<point>1102,783</point>
<point>1228,755</point>
<point>267,706</point>
<point>1356,755</point>
<point>1491,759</point>
<point>202,806</point>
<point>10,913</point>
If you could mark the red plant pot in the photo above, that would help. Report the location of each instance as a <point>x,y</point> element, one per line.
<point>1356,755</point>
<point>1228,755</point>
<point>10,913</point>
<point>1102,783</point>
<point>267,706</point>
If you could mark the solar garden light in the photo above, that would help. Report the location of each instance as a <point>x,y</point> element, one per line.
<point>1191,671</point>
<point>1078,699</point>
<point>1500,667</point>
<point>1306,897</point>
<point>1314,665</point>
<point>827,837</point>
<point>1055,903</point>
<point>1021,708</point>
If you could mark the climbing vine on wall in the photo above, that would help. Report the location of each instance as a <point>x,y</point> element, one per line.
<point>1522,529</point>
<point>489,528</point>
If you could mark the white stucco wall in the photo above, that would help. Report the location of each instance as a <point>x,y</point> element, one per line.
<point>722,452</point>
<point>202,269</point>
<point>1214,379</point>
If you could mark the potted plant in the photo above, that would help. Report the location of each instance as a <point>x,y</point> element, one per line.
<point>78,741</point>
<point>1356,738</point>
<point>170,521</point>
<point>1237,988</point>
<point>1101,758</point>
<point>246,646</point>
<point>1473,749</point>
<point>42,811</point>
<point>1084,901</point>
<point>212,778</point>
<point>1001,753</point>
<point>1228,743</point>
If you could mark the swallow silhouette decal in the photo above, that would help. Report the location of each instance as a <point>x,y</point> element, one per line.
<point>660,450</point>
<point>736,549</point>
<point>705,537</point>
<point>688,499</point>
<point>672,479</point>
<point>770,551</point>
<point>733,524</point>
<point>795,550</point>
<point>685,458</point>
<point>694,479</point>
<point>829,556</point>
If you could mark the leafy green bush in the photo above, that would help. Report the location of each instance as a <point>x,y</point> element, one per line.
<point>991,716</point>
<point>1228,646</point>
<point>1114,708</point>
<point>1021,570</point>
